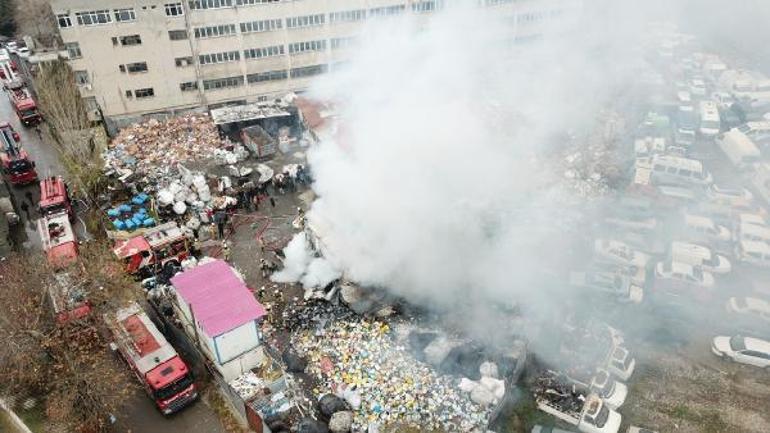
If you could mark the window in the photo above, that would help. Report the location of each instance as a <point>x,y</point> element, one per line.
<point>224,57</point>
<point>425,6</point>
<point>130,40</point>
<point>305,21</point>
<point>214,31</point>
<point>73,50</point>
<point>91,103</point>
<point>134,68</point>
<point>81,77</point>
<point>144,93</point>
<point>188,86</point>
<point>387,11</point>
<point>64,21</point>
<point>254,2</point>
<point>210,4</point>
<point>123,15</point>
<point>183,61</point>
<point>307,46</point>
<point>347,16</point>
<point>174,9</point>
<point>267,76</point>
<point>308,71</point>
<point>340,43</point>
<point>177,35</point>
<point>261,26</point>
<point>223,83</point>
<point>122,68</point>
<point>129,94</point>
<point>93,18</point>
<point>257,53</point>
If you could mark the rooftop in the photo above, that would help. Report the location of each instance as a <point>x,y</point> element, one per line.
<point>243,113</point>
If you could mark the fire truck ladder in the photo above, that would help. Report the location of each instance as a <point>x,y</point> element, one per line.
<point>9,144</point>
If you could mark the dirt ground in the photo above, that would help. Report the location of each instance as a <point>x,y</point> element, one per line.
<point>688,389</point>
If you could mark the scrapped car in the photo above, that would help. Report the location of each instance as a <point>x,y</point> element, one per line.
<point>739,197</point>
<point>613,284</point>
<point>756,253</point>
<point>682,275</point>
<point>633,429</point>
<point>751,308</point>
<point>616,252</point>
<point>698,255</point>
<point>639,225</point>
<point>701,227</point>
<point>746,350</point>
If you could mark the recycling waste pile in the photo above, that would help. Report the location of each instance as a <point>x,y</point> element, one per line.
<point>371,365</point>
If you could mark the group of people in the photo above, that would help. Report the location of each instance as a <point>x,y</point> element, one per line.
<point>290,178</point>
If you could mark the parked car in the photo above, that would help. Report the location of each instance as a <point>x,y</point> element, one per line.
<point>730,196</point>
<point>620,253</point>
<point>678,274</point>
<point>746,350</point>
<point>608,283</point>
<point>750,307</point>
<point>755,253</point>
<point>635,224</point>
<point>701,227</point>
<point>698,255</point>
<point>748,231</point>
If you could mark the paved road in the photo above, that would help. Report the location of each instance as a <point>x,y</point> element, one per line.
<point>140,415</point>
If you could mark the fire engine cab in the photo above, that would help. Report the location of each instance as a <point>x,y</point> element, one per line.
<point>18,167</point>
<point>147,254</point>
<point>23,104</point>
<point>54,197</point>
<point>164,375</point>
<point>58,239</point>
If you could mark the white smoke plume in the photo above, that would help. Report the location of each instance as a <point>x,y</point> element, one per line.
<point>445,182</point>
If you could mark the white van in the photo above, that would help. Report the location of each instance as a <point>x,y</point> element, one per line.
<point>710,125</point>
<point>753,253</point>
<point>698,255</point>
<point>705,228</point>
<point>753,232</point>
<point>677,170</point>
<point>739,148</point>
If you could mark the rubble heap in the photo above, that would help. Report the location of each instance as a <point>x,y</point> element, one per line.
<point>383,383</point>
<point>148,147</point>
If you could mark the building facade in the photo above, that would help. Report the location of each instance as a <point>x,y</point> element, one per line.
<point>134,58</point>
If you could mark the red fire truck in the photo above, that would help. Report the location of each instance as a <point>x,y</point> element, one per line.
<point>165,376</point>
<point>68,300</point>
<point>18,167</point>
<point>58,239</point>
<point>54,197</point>
<point>23,104</point>
<point>147,254</point>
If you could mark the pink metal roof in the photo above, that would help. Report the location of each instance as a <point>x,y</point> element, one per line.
<point>219,299</point>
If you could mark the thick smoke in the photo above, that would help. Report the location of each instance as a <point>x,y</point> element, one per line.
<point>444,182</point>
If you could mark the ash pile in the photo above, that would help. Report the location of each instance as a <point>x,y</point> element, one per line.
<point>559,393</point>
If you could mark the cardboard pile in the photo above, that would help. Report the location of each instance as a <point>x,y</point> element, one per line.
<point>154,147</point>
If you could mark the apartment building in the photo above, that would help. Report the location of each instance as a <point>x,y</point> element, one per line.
<point>134,58</point>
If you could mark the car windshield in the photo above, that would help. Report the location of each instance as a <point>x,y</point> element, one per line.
<point>602,416</point>
<point>737,343</point>
<point>174,388</point>
<point>28,113</point>
<point>698,274</point>
<point>20,166</point>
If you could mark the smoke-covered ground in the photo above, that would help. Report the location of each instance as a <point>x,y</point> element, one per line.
<point>445,182</point>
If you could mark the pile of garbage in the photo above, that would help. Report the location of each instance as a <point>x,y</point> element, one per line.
<point>154,147</point>
<point>357,360</point>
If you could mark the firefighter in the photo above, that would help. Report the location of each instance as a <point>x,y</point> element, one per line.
<point>226,251</point>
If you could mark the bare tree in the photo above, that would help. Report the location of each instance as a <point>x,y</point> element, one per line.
<point>68,364</point>
<point>79,144</point>
<point>35,18</point>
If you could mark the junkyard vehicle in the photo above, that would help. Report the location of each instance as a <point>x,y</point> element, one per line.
<point>163,374</point>
<point>746,350</point>
<point>585,411</point>
<point>615,285</point>
<point>633,429</point>
<point>616,252</point>
<point>597,345</point>
<point>750,309</point>
<point>17,165</point>
<point>69,300</point>
<point>548,429</point>
<point>598,381</point>
<point>674,170</point>
<point>161,246</point>
<point>755,253</point>
<point>681,275</point>
<point>703,228</point>
<point>698,255</point>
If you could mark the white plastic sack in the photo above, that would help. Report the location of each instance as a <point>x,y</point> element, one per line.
<point>467,385</point>
<point>180,208</point>
<point>165,197</point>
<point>489,369</point>
<point>494,386</point>
<point>482,396</point>
<point>352,397</point>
